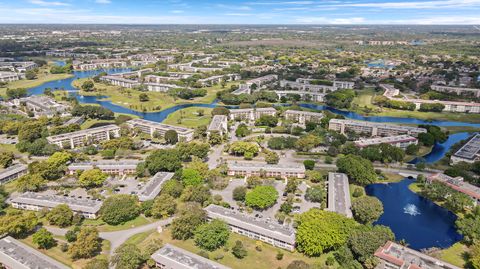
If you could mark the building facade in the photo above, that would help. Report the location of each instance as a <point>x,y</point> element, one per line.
<point>399,141</point>
<point>218,124</point>
<point>373,129</point>
<point>152,127</point>
<point>84,137</point>
<point>248,169</point>
<point>172,257</point>
<point>303,116</point>
<point>111,167</point>
<point>251,114</point>
<point>13,172</point>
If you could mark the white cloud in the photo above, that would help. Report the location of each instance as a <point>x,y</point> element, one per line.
<point>233,7</point>
<point>103,1</point>
<point>48,3</point>
<point>414,4</point>
<point>324,20</point>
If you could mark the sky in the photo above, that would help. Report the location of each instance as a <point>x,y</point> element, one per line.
<point>241,11</point>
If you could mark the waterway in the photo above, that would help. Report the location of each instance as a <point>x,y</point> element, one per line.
<point>417,220</point>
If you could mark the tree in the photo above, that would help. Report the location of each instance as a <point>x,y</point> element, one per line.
<point>364,241</point>
<point>173,188</point>
<point>319,231</point>
<point>220,110</point>
<point>458,202</point>
<point>469,227</point>
<point>97,263</point>
<point>267,120</point>
<point>43,239</point>
<point>88,86</point>
<point>143,97</point>
<point>239,193</point>
<point>6,159</point>
<point>298,264</point>
<point>191,177</point>
<point>92,178</point>
<point>271,157</point>
<point>307,142</point>
<point>315,194</point>
<point>242,130</point>
<point>16,93</point>
<point>475,255</point>
<point>61,216</point>
<point>358,169</point>
<point>239,250</point>
<point>128,256</point>
<point>171,137</point>
<point>261,197</point>
<point>190,217</point>
<point>29,182</point>
<point>367,209</point>
<point>163,206</point>
<point>215,138</point>
<point>212,235</point>
<point>309,164</point>
<point>340,99</point>
<point>30,74</point>
<point>199,194</point>
<point>87,245</point>
<point>119,208</point>
<point>167,160</point>
<point>18,223</point>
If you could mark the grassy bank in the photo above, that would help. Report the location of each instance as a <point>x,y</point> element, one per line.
<point>42,77</point>
<point>189,117</point>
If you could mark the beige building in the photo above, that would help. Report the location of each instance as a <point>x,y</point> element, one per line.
<point>84,137</point>
<point>303,116</point>
<point>248,169</point>
<point>399,141</point>
<point>251,113</point>
<point>151,127</point>
<point>373,128</point>
<point>218,124</point>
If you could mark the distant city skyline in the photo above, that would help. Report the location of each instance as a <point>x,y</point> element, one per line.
<point>241,11</point>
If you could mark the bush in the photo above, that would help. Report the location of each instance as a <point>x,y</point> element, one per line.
<point>239,193</point>
<point>309,164</point>
<point>239,250</point>
<point>367,209</point>
<point>357,192</point>
<point>212,235</point>
<point>261,197</point>
<point>120,208</point>
<point>43,239</point>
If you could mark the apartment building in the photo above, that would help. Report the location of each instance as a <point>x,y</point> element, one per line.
<point>303,116</point>
<point>456,90</point>
<point>260,81</point>
<point>43,106</point>
<point>339,194</point>
<point>399,141</point>
<point>154,185</point>
<point>111,167</point>
<point>373,128</point>
<point>304,95</point>
<point>251,113</point>
<point>121,81</point>
<point>8,76</point>
<point>172,257</point>
<point>84,137</point>
<point>99,64</point>
<point>161,87</point>
<point>151,127</point>
<point>17,255</point>
<point>469,153</point>
<point>13,172</point>
<point>217,79</point>
<point>304,84</point>
<point>248,169</point>
<point>20,67</point>
<point>458,184</point>
<point>396,256</point>
<point>266,231</point>
<point>218,124</point>
<point>33,201</point>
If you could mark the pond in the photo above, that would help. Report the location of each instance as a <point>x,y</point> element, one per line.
<point>419,221</point>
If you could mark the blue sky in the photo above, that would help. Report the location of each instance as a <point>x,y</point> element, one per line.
<point>241,11</point>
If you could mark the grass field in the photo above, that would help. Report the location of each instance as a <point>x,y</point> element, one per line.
<point>188,117</point>
<point>254,259</point>
<point>456,255</point>
<point>103,227</point>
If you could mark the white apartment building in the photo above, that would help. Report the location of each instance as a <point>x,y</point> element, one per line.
<point>456,90</point>
<point>8,76</point>
<point>251,113</point>
<point>150,127</point>
<point>172,257</point>
<point>153,187</point>
<point>303,84</point>
<point>373,128</point>
<point>304,95</point>
<point>303,116</point>
<point>43,106</point>
<point>218,124</point>
<point>161,87</point>
<point>13,172</point>
<point>338,199</point>
<point>469,153</point>
<point>248,169</point>
<point>83,137</point>
<point>112,167</point>
<point>399,141</point>
<point>117,80</point>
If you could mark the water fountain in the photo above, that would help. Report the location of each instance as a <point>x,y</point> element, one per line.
<point>411,209</point>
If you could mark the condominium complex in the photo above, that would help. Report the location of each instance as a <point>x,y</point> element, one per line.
<point>303,116</point>
<point>152,127</point>
<point>121,81</point>
<point>172,257</point>
<point>8,76</point>
<point>399,141</point>
<point>84,137</point>
<point>17,255</point>
<point>458,184</point>
<point>13,172</point>
<point>251,113</point>
<point>154,185</point>
<point>88,208</point>
<point>260,81</point>
<point>111,167</point>
<point>160,87</point>
<point>396,256</point>
<point>308,85</point>
<point>218,124</point>
<point>19,67</point>
<point>217,79</point>
<point>248,169</point>
<point>43,106</point>
<point>99,64</point>
<point>339,194</point>
<point>258,229</point>
<point>456,90</point>
<point>469,153</point>
<point>373,128</point>
<point>304,95</point>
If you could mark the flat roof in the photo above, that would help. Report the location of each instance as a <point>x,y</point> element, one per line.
<point>12,170</point>
<point>154,186</point>
<point>153,124</point>
<point>458,184</point>
<point>105,164</point>
<point>175,257</point>
<point>50,201</point>
<point>216,123</point>
<point>300,112</point>
<point>263,109</point>
<point>470,149</point>
<point>339,194</point>
<point>15,254</point>
<point>254,166</point>
<point>268,228</point>
<point>105,128</point>
<point>387,139</point>
<point>378,125</point>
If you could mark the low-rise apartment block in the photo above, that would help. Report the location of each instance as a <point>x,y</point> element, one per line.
<point>258,229</point>
<point>17,255</point>
<point>458,184</point>
<point>396,256</point>
<point>399,141</point>
<point>469,153</point>
<point>251,113</point>
<point>161,87</point>
<point>13,172</point>
<point>151,127</point>
<point>308,85</point>
<point>303,116</point>
<point>172,257</point>
<point>339,194</point>
<point>33,201</point>
<point>373,128</point>
<point>304,95</point>
<point>8,76</point>
<point>456,90</point>
<point>153,187</point>
<point>43,106</point>
<point>218,124</point>
<point>84,137</point>
<point>248,169</point>
<point>111,167</point>
<point>121,81</point>
<point>99,64</point>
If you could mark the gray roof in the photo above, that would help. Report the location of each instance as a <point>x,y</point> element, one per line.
<point>253,166</point>
<point>309,113</point>
<point>153,186</point>
<point>262,109</point>
<point>379,125</point>
<point>339,194</point>
<point>105,164</point>
<point>15,254</point>
<point>470,149</point>
<point>153,124</point>
<point>264,227</point>
<point>174,257</point>
<point>12,170</point>
<point>51,201</point>
<point>216,123</point>
<point>110,127</point>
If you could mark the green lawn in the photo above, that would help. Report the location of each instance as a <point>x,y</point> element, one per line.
<point>188,117</point>
<point>103,227</point>
<point>456,255</point>
<point>364,98</point>
<point>90,122</point>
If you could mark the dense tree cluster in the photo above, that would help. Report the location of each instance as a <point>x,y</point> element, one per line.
<point>93,112</point>
<point>358,169</point>
<point>340,99</point>
<point>261,197</point>
<point>119,208</point>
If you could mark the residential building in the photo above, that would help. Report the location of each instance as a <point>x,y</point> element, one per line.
<point>161,87</point>
<point>251,113</point>
<point>217,79</point>
<point>20,67</point>
<point>172,257</point>
<point>151,127</point>
<point>88,208</point>
<point>306,85</point>
<point>396,256</point>
<point>121,81</point>
<point>373,128</point>
<point>75,120</point>
<point>248,169</point>
<point>458,184</point>
<point>218,124</point>
<point>270,232</point>
<point>399,141</point>
<point>99,64</point>
<point>84,137</point>
<point>43,106</point>
<point>469,153</point>
<point>112,167</point>
<point>153,187</point>
<point>13,172</point>
<point>303,116</point>
<point>260,81</point>
<point>8,76</point>
<point>339,194</point>
<point>304,95</point>
<point>17,255</point>
<point>456,90</point>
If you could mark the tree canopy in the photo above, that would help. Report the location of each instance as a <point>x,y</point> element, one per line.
<point>261,197</point>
